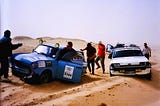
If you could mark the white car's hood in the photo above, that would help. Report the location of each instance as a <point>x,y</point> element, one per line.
<point>135,60</point>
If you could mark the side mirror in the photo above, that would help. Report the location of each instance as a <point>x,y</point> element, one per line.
<point>109,48</point>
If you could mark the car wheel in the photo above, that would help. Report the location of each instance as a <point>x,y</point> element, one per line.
<point>110,72</point>
<point>45,77</point>
<point>149,76</point>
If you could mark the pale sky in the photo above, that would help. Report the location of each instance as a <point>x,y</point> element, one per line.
<point>109,21</point>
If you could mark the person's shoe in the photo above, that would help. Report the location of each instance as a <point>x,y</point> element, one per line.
<point>98,67</point>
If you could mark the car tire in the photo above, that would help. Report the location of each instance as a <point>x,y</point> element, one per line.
<point>110,72</point>
<point>45,77</point>
<point>111,75</point>
<point>148,76</point>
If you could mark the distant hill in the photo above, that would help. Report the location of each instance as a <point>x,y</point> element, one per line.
<point>22,38</point>
<point>60,38</point>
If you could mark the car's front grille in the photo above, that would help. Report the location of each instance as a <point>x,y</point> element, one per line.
<point>22,66</point>
<point>131,66</point>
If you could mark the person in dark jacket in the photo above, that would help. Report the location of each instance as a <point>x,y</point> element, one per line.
<point>91,54</point>
<point>6,48</point>
<point>66,50</point>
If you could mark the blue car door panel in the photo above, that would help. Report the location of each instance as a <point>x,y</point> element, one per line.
<point>69,71</point>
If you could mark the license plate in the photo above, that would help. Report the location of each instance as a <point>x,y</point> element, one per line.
<point>121,71</point>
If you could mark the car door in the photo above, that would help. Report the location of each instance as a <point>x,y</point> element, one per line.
<point>109,48</point>
<point>68,70</point>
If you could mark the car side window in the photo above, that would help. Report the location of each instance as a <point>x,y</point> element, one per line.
<point>53,52</point>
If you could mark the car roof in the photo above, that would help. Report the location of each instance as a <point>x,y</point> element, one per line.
<point>126,48</point>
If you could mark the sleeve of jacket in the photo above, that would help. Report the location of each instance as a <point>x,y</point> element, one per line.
<point>14,46</point>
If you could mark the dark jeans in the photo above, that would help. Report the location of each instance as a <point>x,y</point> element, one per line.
<point>4,67</point>
<point>90,65</point>
<point>102,62</point>
<point>147,56</point>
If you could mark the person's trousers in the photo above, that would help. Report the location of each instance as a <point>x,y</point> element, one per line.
<point>90,65</point>
<point>4,67</point>
<point>102,62</point>
<point>147,56</point>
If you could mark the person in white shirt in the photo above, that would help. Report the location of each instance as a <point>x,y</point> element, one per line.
<point>146,51</point>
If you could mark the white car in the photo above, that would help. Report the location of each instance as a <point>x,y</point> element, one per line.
<point>129,61</point>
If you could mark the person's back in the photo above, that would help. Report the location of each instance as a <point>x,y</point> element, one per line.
<point>91,54</point>
<point>101,50</point>
<point>90,51</point>
<point>5,46</point>
<point>100,56</point>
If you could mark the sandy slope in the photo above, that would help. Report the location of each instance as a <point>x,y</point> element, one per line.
<point>94,90</point>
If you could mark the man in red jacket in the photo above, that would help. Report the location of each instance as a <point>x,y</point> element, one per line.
<point>100,56</point>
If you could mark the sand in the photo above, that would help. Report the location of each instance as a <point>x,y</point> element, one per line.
<point>94,90</point>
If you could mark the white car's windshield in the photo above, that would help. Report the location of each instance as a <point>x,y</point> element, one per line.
<point>127,53</point>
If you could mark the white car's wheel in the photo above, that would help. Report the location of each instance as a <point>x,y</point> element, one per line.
<point>110,72</point>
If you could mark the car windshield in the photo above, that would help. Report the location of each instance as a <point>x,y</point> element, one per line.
<point>42,49</point>
<point>46,50</point>
<point>127,53</point>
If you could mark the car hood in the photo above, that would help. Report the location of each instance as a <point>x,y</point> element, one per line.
<point>132,60</point>
<point>31,57</point>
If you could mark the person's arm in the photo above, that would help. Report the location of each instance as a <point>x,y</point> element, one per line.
<point>93,56</point>
<point>83,49</point>
<point>15,46</point>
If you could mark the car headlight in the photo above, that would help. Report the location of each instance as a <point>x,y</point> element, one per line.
<point>116,65</point>
<point>39,64</point>
<point>147,64</point>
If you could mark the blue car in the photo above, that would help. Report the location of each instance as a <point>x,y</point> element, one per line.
<point>42,66</point>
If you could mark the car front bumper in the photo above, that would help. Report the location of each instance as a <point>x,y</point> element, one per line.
<point>31,78</point>
<point>131,72</point>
